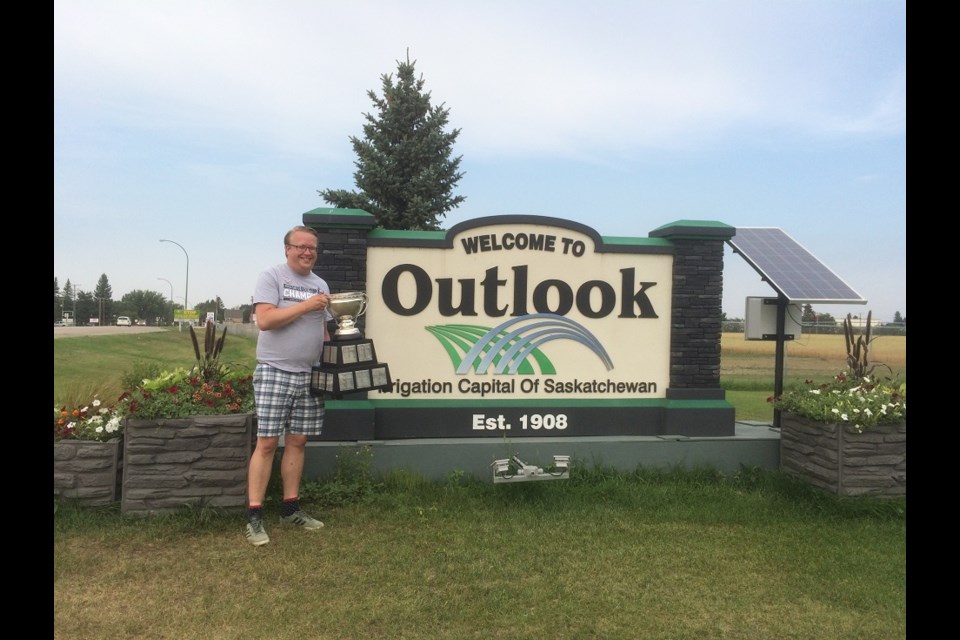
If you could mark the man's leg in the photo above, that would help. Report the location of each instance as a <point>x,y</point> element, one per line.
<point>261,464</point>
<point>258,477</point>
<point>291,464</point>
<point>291,469</point>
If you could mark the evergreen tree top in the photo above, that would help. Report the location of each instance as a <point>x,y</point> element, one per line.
<point>405,173</point>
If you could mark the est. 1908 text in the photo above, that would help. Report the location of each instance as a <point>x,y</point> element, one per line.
<point>533,421</point>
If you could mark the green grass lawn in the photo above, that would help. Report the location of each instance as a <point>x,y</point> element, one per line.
<point>97,365</point>
<point>664,555</point>
<point>672,554</point>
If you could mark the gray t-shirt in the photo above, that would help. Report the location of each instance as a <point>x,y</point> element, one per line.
<point>298,346</point>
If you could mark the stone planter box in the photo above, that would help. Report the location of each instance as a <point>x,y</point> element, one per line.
<point>87,472</point>
<point>199,461</point>
<point>842,461</point>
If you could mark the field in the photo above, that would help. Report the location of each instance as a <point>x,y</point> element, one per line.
<point>747,368</point>
<point>810,357</point>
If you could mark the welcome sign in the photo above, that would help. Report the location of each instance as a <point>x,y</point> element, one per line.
<point>520,308</point>
<point>530,326</point>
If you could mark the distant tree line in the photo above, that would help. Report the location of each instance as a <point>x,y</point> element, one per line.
<point>97,307</point>
<point>813,322</point>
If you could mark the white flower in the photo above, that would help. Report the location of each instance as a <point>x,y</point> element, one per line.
<point>96,402</point>
<point>835,410</point>
<point>815,392</point>
<point>868,412</point>
<point>99,429</point>
<point>844,417</point>
<point>113,425</point>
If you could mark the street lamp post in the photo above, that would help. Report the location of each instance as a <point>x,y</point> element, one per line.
<point>76,289</point>
<point>186,286</point>
<point>171,297</point>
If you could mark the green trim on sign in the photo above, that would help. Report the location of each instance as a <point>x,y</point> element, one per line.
<point>402,233</point>
<point>640,242</point>
<point>697,404</point>
<point>532,402</point>
<point>348,404</point>
<point>694,230</point>
<point>338,212</point>
<point>696,223</point>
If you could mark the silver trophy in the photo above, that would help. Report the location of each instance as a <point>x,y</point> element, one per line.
<point>345,308</point>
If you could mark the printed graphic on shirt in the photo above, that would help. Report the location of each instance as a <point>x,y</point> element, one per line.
<point>298,293</point>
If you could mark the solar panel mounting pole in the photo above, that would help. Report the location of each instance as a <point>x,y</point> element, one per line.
<point>780,354</point>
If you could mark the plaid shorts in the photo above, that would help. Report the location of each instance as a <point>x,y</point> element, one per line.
<point>284,403</point>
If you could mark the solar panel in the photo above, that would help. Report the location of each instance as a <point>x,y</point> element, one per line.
<point>790,269</point>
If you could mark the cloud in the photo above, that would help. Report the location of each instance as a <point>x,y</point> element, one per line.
<point>520,78</point>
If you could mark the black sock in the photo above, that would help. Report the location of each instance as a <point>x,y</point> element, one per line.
<point>289,507</point>
<point>255,513</point>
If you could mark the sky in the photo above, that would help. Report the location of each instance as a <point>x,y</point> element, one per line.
<point>214,124</point>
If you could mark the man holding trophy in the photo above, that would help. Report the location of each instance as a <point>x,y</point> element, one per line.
<point>291,308</point>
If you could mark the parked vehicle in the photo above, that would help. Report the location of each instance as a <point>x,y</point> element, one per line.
<point>124,321</point>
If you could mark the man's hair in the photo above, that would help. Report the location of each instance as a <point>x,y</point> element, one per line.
<point>286,238</point>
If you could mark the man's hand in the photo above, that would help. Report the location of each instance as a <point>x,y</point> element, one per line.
<point>322,301</point>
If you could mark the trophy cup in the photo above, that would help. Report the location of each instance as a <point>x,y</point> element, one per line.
<point>349,361</point>
<point>345,308</point>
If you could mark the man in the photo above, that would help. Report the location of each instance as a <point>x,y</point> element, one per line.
<point>291,306</point>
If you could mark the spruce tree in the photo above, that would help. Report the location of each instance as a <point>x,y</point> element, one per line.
<point>405,173</point>
<point>57,309</point>
<point>103,295</point>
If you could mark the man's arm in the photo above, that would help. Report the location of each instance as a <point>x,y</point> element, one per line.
<point>270,316</point>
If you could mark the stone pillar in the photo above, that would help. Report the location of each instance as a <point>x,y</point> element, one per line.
<point>697,307</point>
<point>342,252</point>
<point>342,262</point>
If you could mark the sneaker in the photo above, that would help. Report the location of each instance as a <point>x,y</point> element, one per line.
<point>256,534</point>
<point>301,519</point>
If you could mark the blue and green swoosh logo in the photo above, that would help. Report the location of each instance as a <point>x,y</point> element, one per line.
<point>514,346</point>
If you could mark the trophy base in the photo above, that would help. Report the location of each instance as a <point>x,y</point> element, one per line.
<point>349,366</point>
<point>348,334</point>
<point>350,379</point>
<point>343,353</point>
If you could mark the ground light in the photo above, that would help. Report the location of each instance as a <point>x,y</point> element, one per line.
<point>516,470</point>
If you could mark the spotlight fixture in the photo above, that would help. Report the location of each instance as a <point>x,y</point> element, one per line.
<point>514,469</point>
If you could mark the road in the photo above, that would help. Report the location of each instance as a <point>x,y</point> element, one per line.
<point>76,332</point>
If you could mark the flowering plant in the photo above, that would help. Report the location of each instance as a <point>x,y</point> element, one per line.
<point>209,388</point>
<point>183,392</point>
<point>857,402</point>
<point>90,422</point>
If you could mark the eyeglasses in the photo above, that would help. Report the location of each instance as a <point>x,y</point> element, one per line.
<point>304,248</point>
